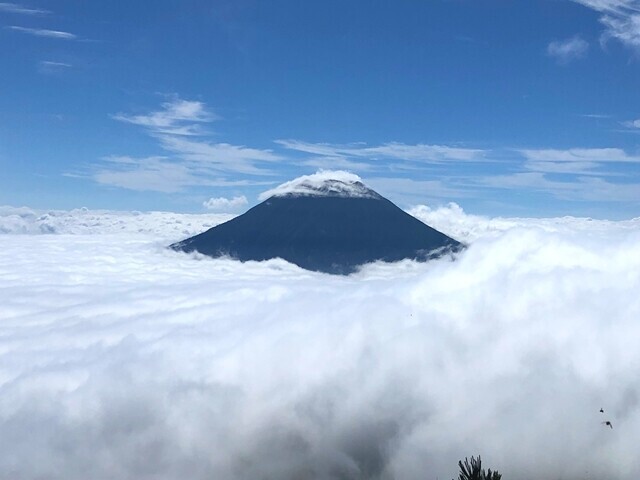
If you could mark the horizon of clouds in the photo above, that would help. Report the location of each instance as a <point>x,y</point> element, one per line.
<point>621,19</point>
<point>450,219</point>
<point>119,363</point>
<point>566,51</point>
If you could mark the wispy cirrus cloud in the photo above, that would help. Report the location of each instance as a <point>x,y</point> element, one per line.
<point>176,117</point>
<point>621,19</point>
<point>583,188</point>
<point>41,32</point>
<point>48,67</point>
<point>396,151</point>
<point>21,9</point>
<point>223,157</point>
<point>565,51</point>
<point>159,174</point>
<point>576,160</point>
<point>191,158</point>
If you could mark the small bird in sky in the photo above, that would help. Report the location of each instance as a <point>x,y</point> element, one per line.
<point>601,410</point>
<point>608,424</point>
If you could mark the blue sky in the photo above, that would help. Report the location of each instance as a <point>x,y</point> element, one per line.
<point>506,108</point>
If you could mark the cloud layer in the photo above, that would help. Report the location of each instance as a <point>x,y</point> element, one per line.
<point>121,359</point>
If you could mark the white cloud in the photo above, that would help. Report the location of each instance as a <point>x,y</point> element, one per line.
<point>82,221</point>
<point>332,163</point>
<point>582,188</point>
<point>156,174</point>
<point>193,159</point>
<point>159,174</point>
<point>600,155</point>
<point>40,32</point>
<point>220,156</point>
<point>52,68</point>
<point>564,51</point>
<point>20,9</point>
<point>392,150</point>
<point>46,63</point>
<point>409,191</point>
<point>455,222</point>
<point>177,117</point>
<point>632,123</point>
<point>118,362</point>
<point>575,160</point>
<point>350,184</point>
<point>225,204</point>
<point>621,19</point>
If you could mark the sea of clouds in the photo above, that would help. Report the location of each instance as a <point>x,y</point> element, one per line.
<point>121,359</point>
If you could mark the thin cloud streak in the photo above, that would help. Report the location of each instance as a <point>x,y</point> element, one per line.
<point>20,9</point>
<point>394,150</point>
<point>160,174</point>
<point>584,188</point>
<point>47,63</point>
<point>39,32</point>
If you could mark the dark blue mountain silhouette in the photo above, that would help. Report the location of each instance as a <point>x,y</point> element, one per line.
<point>330,226</point>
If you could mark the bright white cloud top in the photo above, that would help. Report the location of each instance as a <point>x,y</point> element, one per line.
<point>122,359</point>
<point>323,183</point>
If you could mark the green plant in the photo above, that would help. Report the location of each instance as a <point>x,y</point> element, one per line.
<point>472,470</point>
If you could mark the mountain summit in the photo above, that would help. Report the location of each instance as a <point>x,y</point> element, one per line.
<point>329,222</point>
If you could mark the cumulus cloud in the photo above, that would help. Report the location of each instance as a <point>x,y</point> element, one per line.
<point>565,51</point>
<point>223,204</point>
<point>118,362</point>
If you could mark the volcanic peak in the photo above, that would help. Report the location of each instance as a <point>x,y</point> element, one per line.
<point>324,183</point>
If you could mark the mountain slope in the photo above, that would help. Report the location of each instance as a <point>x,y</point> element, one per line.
<point>333,226</point>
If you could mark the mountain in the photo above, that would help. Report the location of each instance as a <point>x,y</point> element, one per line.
<point>328,222</point>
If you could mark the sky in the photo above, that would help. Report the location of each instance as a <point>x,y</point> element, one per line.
<point>118,361</point>
<point>526,108</point>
